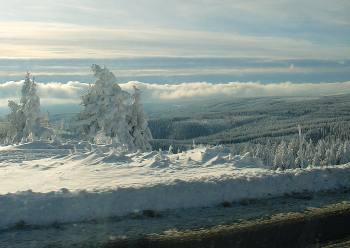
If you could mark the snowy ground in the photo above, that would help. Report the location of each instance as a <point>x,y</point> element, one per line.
<point>43,183</point>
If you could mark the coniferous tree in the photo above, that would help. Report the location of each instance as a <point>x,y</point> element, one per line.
<point>108,114</point>
<point>138,123</point>
<point>17,122</point>
<point>24,118</point>
<point>31,107</point>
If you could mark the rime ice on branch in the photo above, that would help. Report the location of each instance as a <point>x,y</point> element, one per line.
<point>108,115</point>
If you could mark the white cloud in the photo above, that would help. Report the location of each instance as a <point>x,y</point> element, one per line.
<point>50,93</point>
<point>197,90</point>
<point>70,93</point>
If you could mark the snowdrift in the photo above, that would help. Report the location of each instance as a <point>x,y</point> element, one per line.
<point>83,182</point>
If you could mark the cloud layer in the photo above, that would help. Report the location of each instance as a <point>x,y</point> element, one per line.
<point>52,40</point>
<point>50,93</point>
<point>203,90</point>
<point>117,28</point>
<point>69,93</point>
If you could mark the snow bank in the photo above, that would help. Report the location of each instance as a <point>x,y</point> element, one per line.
<point>104,182</point>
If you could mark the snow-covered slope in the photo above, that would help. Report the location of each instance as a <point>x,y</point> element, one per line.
<point>75,182</point>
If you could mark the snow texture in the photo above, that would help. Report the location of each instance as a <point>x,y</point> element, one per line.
<point>80,181</point>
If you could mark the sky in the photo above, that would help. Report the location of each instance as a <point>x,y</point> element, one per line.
<point>176,50</point>
<point>280,29</point>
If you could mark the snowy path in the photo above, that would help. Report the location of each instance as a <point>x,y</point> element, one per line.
<point>88,185</point>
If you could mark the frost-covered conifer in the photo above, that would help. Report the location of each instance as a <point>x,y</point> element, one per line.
<point>16,122</point>
<point>171,149</point>
<point>316,161</point>
<point>290,158</point>
<point>24,118</point>
<point>346,153</point>
<point>281,156</point>
<point>31,108</point>
<point>340,153</point>
<point>138,123</point>
<point>107,111</point>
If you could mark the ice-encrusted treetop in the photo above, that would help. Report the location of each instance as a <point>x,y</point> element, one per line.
<point>104,76</point>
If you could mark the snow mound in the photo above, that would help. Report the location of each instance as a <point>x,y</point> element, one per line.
<point>217,155</point>
<point>159,162</point>
<point>37,145</point>
<point>100,181</point>
<point>246,161</point>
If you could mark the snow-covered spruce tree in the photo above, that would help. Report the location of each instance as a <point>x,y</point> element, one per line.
<point>138,123</point>
<point>16,123</point>
<point>31,108</point>
<point>282,159</point>
<point>345,155</point>
<point>24,118</point>
<point>108,114</point>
